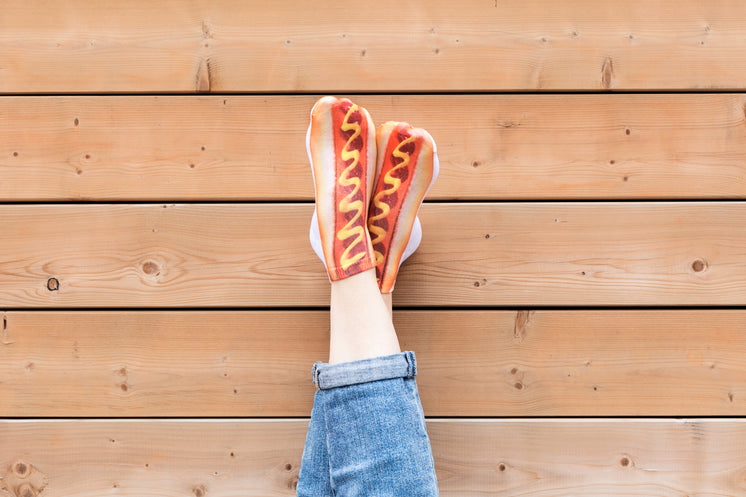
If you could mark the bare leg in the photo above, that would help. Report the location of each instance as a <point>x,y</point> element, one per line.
<point>361,325</point>
<point>387,300</point>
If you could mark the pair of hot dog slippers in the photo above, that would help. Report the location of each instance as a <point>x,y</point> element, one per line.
<point>369,185</point>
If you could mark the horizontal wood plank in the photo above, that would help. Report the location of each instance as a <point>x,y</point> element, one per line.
<point>553,458</point>
<point>478,254</point>
<point>470,363</point>
<point>491,147</point>
<point>433,45</point>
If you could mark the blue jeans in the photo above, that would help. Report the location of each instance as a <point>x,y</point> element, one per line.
<point>367,433</point>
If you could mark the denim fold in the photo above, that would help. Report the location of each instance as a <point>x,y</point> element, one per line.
<point>400,365</point>
<point>367,434</point>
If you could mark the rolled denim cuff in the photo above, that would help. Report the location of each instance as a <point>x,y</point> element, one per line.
<point>401,365</point>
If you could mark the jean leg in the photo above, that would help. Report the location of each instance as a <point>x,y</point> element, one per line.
<point>375,426</point>
<point>314,478</point>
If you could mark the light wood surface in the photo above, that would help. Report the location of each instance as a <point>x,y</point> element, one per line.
<point>470,363</point>
<point>513,254</point>
<point>427,45</point>
<point>491,147</point>
<point>593,153</point>
<point>473,458</point>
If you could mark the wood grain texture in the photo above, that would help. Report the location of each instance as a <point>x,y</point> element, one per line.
<point>491,147</point>
<point>179,46</point>
<point>557,458</point>
<point>553,458</point>
<point>478,254</point>
<point>470,363</point>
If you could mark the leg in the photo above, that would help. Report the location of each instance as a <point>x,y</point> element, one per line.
<point>387,299</point>
<point>376,436</point>
<point>367,432</point>
<point>356,304</point>
<point>361,324</point>
<point>375,428</point>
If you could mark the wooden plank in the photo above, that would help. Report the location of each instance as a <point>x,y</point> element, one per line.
<point>433,45</point>
<point>556,458</point>
<point>515,254</point>
<point>470,363</point>
<point>551,458</point>
<point>491,147</point>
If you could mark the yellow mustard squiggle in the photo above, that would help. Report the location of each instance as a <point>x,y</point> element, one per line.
<point>347,204</point>
<point>395,183</point>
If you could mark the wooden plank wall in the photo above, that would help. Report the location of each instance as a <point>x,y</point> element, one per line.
<point>578,303</point>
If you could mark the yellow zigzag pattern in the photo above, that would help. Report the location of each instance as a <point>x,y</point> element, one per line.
<point>394,183</point>
<point>347,204</point>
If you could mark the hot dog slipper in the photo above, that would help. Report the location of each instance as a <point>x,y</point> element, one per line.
<point>406,168</point>
<point>341,146</point>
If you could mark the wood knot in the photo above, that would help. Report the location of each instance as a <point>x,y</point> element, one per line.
<point>53,284</point>
<point>150,268</point>
<point>502,467</point>
<point>21,469</point>
<point>199,491</point>
<point>24,480</point>
<point>699,265</point>
<point>25,490</point>
<point>522,320</point>
<point>203,79</point>
<point>607,73</point>
<point>206,30</point>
